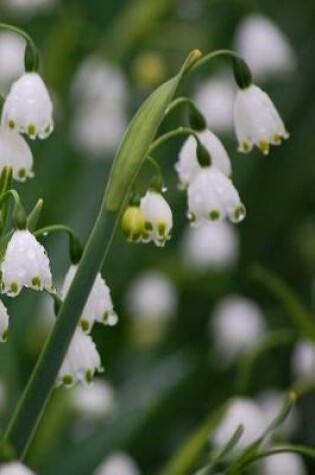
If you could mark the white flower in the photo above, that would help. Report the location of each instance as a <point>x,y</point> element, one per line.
<point>12,48</point>
<point>158,218</point>
<point>16,153</point>
<point>151,296</point>
<point>264,47</point>
<point>257,121</point>
<point>237,324</point>
<point>100,96</point>
<point>151,301</point>
<point>15,468</point>
<point>271,402</point>
<point>28,107</point>
<point>99,305</point>
<point>4,322</point>
<point>210,246</point>
<point>81,361</point>
<point>95,401</point>
<point>303,360</point>
<point>282,463</point>
<point>215,97</point>
<point>118,463</point>
<point>187,166</point>
<point>212,196</point>
<point>29,7</point>
<point>25,264</point>
<point>240,411</point>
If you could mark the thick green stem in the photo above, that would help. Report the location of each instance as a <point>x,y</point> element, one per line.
<point>39,387</point>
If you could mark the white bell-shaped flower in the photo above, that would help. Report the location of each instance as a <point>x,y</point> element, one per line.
<point>25,264</point>
<point>158,218</point>
<point>118,463</point>
<point>12,49</point>
<point>215,97</point>
<point>264,47</point>
<point>95,401</point>
<point>4,322</point>
<point>99,306</point>
<point>212,246</point>
<point>212,196</point>
<point>187,166</point>
<point>16,153</point>
<point>81,361</point>
<point>28,107</point>
<point>283,463</point>
<point>303,360</point>
<point>257,121</point>
<point>240,411</point>
<point>237,324</point>
<point>15,468</point>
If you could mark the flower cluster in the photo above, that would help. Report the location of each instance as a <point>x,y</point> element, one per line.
<point>204,168</point>
<point>28,110</point>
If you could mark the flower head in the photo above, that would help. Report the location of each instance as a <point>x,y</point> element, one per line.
<point>15,152</point>
<point>99,306</point>
<point>81,361</point>
<point>158,218</point>
<point>303,360</point>
<point>25,264</point>
<point>187,166</point>
<point>212,196</point>
<point>12,49</point>
<point>257,121</point>
<point>15,468</point>
<point>95,401</point>
<point>4,322</point>
<point>118,463</point>
<point>28,107</point>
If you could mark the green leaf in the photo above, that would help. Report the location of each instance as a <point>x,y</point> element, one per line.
<point>139,136</point>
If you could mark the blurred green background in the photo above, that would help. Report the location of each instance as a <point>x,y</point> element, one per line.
<point>165,391</point>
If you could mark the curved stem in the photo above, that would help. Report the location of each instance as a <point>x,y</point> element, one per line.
<point>181,131</point>
<point>228,53</point>
<point>75,247</point>
<point>157,181</point>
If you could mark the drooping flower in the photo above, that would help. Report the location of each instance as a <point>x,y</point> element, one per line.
<point>118,463</point>
<point>283,463</point>
<point>187,166</point>
<point>158,218</point>
<point>95,401</point>
<point>16,153</point>
<point>257,121</point>
<point>15,468</point>
<point>240,411</point>
<point>264,47</point>
<point>28,107</point>
<point>81,361</point>
<point>212,196</point>
<point>303,360</point>
<point>132,223</point>
<point>12,48</point>
<point>99,306</point>
<point>210,246</point>
<point>25,264</point>
<point>237,324</point>
<point>4,322</point>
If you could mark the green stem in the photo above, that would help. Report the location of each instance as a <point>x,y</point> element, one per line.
<point>40,384</point>
<point>75,247</point>
<point>181,131</point>
<point>196,119</point>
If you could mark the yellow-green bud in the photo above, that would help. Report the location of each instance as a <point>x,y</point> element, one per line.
<point>133,224</point>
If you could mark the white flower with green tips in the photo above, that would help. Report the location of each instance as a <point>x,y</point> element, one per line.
<point>82,361</point>
<point>28,107</point>
<point>4,322</point>
<point>15,153</point>
<point>212,196</point>
<point>99,306</point>
<point>257,121</point>
<point>158,218</point>
<point>15,468</point>
<point>187,165</point>
<point>25,264</point>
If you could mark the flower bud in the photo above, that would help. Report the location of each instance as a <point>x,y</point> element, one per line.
<point>132,223</point>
